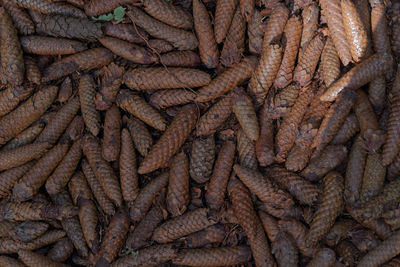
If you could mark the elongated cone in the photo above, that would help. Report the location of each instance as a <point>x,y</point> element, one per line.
<point>349,128</point>
<point>10,262</point>
<point>202,159</point>
<point>299,232</point>
<point>114,238</point>
<point>126,32</point>
<point>265,142</point>
<point>169,13</point>
<point>213,234</point>
<point>208,49</point>
<point>391,146</point>
<point>246,115</point>
<point>35,211</point>
<point>12,61</point>
<point>190,222</point>
<point>285,250</point>
<point>291,37</point>
<point>101,168</point>
<point>330,63</point>
<point>137,106</point>
<point>49,7</point>
<point>22,21</point>
<point>21,155</point>
<point>112,134</point>
<point>172,139</point>
<point>356,32</point>
<point>304,191</point>
<point>10,177</point>
<point>270,225</point>
<point>180,59</point>
<point>11,96</point>
<point>326,161</point>
<point>280,104</point>
<point>304,71</point>
<point>180,39</point>
<point>215,116</point>
<point>223,17</point>
<point>43,45</point>
<point>373,178</point>
<point>87,92</point>
<point>25,137</point>
<point>255,32</point>
<point>333,14</point>
<point>216,189</point>
<point>79,188</point>
<point>334,119</point>
<point>178,186</point>
<point>286,135</point>
<point>233,48</point>
<point>88,59</point>
<point>139,236</point>
<point>104,202</point>
<point>153,255</point>
<point>25,114</point>
<point>70,27</point>
<point>250,222</point>
<point>323,257</point>
<point>146,196</point>
<point>66,90</point>
<point>140,135</point>
<point>31,182</point>
<point>265,73</point>
<point>223,256</point>
<point>383,252</point>
<point>60,122</point>
<point>228,80</point>
<point>263,187</point>
<point>160,45</point>
<point>310,15</point>
<point>33,74</point>
<point>32,259</point>
<point>131,52</point>
<point>88,218</point>
<point>28,230</point>
<point>111,80</point>
<point>161,78</point>
<point>276,25</point>
<point>246,151</point>
<point>9,246</point>
<point>172,97</point>
<point>368,70</point>
<point>329,209</point>
<point>61,250</point>
<point>127,168</point>
<point>64,171</point>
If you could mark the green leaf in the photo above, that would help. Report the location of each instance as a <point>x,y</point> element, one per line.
<point>119,13</point>
<point>105,17</point>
